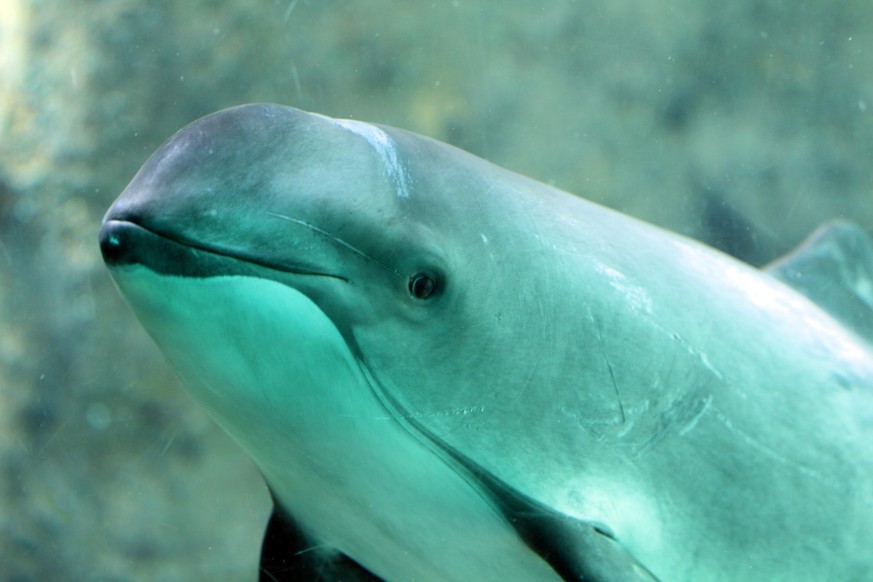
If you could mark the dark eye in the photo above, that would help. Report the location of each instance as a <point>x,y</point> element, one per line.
<point>422,285</point>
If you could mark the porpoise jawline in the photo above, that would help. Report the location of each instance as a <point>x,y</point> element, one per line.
<point>293,269</point>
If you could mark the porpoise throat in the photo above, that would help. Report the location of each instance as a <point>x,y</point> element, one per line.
<point>447,371</point>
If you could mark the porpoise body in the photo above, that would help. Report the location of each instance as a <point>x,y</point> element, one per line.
<point>447,371</point>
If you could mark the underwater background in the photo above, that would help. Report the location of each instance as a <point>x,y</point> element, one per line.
<point>744,124</point>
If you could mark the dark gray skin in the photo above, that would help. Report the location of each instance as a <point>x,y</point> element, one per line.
<point>660,409</point>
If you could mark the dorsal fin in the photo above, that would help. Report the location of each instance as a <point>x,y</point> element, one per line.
<point>834,268</point>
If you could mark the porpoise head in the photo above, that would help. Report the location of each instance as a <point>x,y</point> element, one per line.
<point>406,265</point>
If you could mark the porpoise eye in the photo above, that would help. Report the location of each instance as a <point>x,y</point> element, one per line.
<point>422,285</point>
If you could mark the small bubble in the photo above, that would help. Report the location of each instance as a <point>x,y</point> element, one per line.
<point>98,416</point>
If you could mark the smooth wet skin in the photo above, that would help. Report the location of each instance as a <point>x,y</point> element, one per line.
<point>447,371</point>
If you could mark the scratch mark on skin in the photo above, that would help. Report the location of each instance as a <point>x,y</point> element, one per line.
<point>635,296</point>
<point>639,301</point>
<point>384,148</point>
<point>614,385</point>
<point>680,416</point>
<point>763,449</point>
<point>528,380</point>
<point>707,403</point>
<point>334,238</point>
<point>448,412</point>
<point>611,375</point>
<point>691,350</point>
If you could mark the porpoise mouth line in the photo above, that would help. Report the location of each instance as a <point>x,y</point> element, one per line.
<point>245,257</point>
